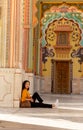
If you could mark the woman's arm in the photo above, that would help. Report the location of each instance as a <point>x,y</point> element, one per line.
<point>26,96</point>
<point>30,99</point>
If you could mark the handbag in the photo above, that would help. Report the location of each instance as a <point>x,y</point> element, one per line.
<point>25,104</point>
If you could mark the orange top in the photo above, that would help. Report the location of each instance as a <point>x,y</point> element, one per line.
<point>25,95</point>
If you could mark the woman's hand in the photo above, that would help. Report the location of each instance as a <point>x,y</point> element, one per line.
<point>32,100</point>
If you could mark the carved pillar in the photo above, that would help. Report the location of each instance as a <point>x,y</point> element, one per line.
<point>12,31</point>
<point>8,35</point>
<point>15,33</point>
<point>30,58</point>
<point>26,27</point>
<point>3,29</point>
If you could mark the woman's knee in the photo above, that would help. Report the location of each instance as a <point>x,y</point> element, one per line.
<point>36,93</point>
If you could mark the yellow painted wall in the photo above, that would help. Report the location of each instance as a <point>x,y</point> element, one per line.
<point>74,43</point>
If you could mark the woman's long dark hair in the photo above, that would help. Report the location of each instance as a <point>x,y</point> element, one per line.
<point>23,84</point>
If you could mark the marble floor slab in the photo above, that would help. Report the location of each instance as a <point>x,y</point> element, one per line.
<point>68,116</point>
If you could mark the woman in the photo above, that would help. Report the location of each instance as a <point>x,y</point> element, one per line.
<point>30,101</point>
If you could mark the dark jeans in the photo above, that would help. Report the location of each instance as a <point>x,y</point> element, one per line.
<point>35,97</point>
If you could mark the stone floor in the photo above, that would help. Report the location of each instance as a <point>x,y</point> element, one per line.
<point>68,116</point>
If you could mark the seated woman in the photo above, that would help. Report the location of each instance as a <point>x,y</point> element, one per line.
<point>30,101</point>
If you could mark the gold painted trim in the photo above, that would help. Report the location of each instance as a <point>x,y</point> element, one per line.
<point>61,2</point>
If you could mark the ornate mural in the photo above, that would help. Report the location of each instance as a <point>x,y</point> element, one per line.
<point>54,15</point>
<point>50,32</point>
<point>79,54</point>
<point>46,52</point>
<point>62,30</point>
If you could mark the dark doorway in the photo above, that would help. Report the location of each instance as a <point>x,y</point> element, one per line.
<point>61,77</point>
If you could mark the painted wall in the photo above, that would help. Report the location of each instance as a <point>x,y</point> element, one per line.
<point>56,16</point>
<point>61,14</point>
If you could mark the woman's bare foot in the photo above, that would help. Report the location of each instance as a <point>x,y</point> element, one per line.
<point>56,104</point>
<point>53,106</point>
